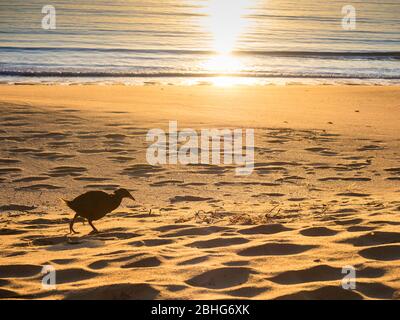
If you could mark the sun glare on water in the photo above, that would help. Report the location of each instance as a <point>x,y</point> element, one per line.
<point>225,22</point>
<point>223,63</point>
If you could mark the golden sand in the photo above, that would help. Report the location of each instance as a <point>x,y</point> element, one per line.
<point>324,193</point>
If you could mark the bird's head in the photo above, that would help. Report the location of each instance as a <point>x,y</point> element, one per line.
<point>123,193</point>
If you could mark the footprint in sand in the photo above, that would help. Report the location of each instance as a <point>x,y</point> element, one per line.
<point>17,207</point>
<point>52,156</point>
<point>115,136</point>
<point>8,294</point>
<point>47,222</point>
<point>393,170</point>
<point>194,261</point>
<point>221,278</point>
<point>69,110</point>
<point>10,232</point>
<point>39,187</point>
<point>373,239</point>
<point>324,293</point>
<point>321,273</point>
<point>275,249</point>
<point>166,183</point>
<point>196,231</point>
<point>247,292</point>
<point>115,234</point>
<point>74,275</point>
<point>146,262</point>
<point>360,228</point>
<point>151,243</point>
<point>218,242</point>
<point>265,229</point>
<point>272,194</point>
<point>9,161</point>
<point>371,147</point>
<point>322,151</point>
<point>177,199</point>
<point>350,179</point>
<point>349,222</point>
<point>353,194</point>
<point>318,232</point>
<point>19,270</point>
<point>101,264</point>
<point>376,290</point>
<point>121,159</point>
<point>15,124</point>
<point>60,144</point>
<point>23,150</point>
<point>142,170</point>
<point>193,184</point>
<point>245,183</point>
<point>63,261</point>
<point>97,265</point>
<point>64,171</point>
<point>6,171</point>
<point>237,263</point>
<point>393,178</point>
<point>382,253</point>
<point>92,179</point>
<point>270,170</point>
<point>171,227</point>
<point>50,135</point>
<point>48,241</point>
<point>119,291</point>
<point>30,179</point>
<point>208,169</point>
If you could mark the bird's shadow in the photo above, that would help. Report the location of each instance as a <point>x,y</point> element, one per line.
<point>107,234</point>
<point>138,215</point>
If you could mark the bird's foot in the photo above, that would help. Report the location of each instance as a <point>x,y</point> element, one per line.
<point>94,232</point>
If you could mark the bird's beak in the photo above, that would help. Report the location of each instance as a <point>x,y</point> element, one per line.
<point>132,198</point>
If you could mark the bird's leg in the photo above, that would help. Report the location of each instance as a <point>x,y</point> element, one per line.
<point>71,224</point>
<point>94,228</point>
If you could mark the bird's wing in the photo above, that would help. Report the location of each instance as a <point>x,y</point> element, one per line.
<point>90,201</point>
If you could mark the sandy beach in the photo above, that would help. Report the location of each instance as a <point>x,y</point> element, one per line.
<point>324,194</point>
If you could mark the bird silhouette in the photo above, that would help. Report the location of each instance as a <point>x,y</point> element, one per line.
<point>94,205</point>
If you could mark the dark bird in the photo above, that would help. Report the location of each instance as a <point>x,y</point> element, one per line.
<point>94,205</point>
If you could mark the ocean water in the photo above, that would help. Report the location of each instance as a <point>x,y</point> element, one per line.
<point>195,41</point>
